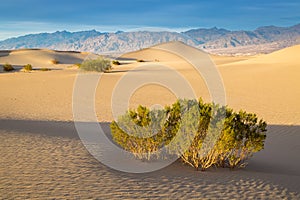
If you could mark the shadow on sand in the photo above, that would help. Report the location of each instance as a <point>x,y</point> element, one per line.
<point>278,163</point>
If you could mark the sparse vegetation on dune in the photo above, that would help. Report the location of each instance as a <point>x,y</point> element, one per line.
<point>8,67</point>
<point>78,65</point>
<point>116,62</point>
<point>100,64</point>
<point>192,126</point>
<point>27,67</point>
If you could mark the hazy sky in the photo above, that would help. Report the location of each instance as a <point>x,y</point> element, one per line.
<point>18,17</point>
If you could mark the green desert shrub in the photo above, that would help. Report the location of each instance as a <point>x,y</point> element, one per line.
<point>27,67</point>
<point>8,67</point>
<point>100,64</point>
<point>202,134</point>
<point>139,131</point>
<point>242,136</point>
<point>116,62</point>
<point>78,65</point>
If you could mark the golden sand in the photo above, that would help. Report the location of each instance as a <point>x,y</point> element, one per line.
<point>41,156</point>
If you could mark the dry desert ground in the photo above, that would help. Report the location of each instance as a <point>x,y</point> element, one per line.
<point>42,157</point>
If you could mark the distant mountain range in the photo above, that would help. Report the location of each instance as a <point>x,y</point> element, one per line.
<point>219,41</point>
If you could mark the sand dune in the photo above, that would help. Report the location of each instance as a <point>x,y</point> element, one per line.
<point>41,155</point>
<point>270,90</point>
<point>220,60</point>
<point>267,85</point>
<point>40,57</point>
<point>283,56</point>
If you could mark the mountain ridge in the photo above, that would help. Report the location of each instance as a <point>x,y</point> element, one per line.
<point>215,40</point>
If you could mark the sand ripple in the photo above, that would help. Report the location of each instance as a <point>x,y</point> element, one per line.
<point>49,167</point>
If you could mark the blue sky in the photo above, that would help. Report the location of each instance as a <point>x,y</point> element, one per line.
<point>19,17</point>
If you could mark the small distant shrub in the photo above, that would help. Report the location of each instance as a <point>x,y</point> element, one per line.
<point>190,126</point>
<point>45,69</point>
<point>116,62</point>
<point>27,67</point>
<point>100,64</point>
<point>78,65</point>
<point>140,60</point>
<point>54,61</point>
<point>8,67</point>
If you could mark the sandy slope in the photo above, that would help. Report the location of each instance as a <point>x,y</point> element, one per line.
<point>267,85</point>
<point>254,84</point>
<point>40,57</point>
<point>41,155</point>
<point>220,60</point>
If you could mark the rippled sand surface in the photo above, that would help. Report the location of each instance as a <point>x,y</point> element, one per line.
<point>47,166</point>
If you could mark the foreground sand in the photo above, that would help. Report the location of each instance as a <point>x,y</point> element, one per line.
<point>42,157</point>
<point>39,166</point>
